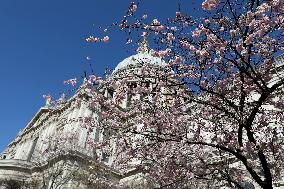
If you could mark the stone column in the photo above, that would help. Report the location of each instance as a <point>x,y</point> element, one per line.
<point>4,185</point>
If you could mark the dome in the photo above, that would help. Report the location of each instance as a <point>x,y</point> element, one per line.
<point>142,57</point>
<point>138,59</point>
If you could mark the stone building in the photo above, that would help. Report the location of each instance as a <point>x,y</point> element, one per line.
<point>24,164</point>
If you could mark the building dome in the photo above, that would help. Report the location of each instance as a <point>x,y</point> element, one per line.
<point>139,59</point>
<point>143,56</point>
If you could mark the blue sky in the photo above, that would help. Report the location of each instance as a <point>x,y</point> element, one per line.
<point>42,43</point>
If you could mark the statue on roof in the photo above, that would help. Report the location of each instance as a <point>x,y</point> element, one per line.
<point>48,100</point>
<point>62,98</point>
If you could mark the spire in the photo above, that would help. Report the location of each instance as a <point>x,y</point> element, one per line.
<point>144,45</point>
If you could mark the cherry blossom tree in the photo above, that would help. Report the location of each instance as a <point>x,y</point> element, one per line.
<point>213,117</point>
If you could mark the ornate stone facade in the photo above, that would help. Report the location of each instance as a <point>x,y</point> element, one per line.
<point>23,165</point>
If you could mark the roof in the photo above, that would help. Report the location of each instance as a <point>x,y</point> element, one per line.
<point>139,59</point>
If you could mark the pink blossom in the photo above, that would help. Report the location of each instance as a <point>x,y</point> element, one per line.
<point>210,4</point>
<point>174,29</point>
<point>161,54</point>
<point>155,22</point>
<point>249,39</point>
<point>92,39</point>
<point>156,25</point>
<point>196,33</point>
<point>164,53</point>
<point>158,28</point>
<point>134,8</point>
<point>144,34</point>
<point>239,46</point>
<point>207,21</point>
<point>185,44</point>
<point>204,53</point>
<point>232,33</point>
<point>170,37</point>
<point>177,60</point>
<point>129,41</point>
<point>185,24</point>
<point>105,39</point>
<point>192,48</point>
<point>154,53</point>
<point>95,80</point>
<point>73,82</point>
<point>145,16</point>
<point>178,15</point>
